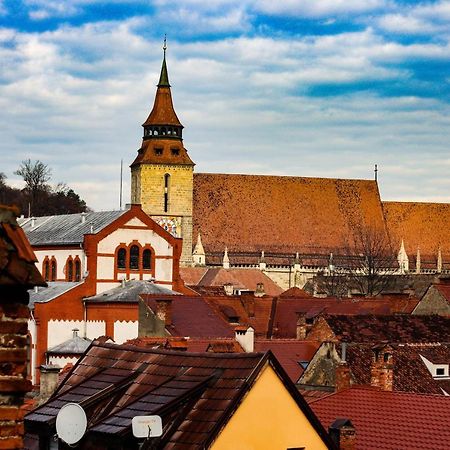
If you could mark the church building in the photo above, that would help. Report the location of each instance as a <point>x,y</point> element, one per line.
<point>289,227</point>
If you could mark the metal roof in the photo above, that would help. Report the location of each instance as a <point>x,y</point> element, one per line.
<point>73,346</point>
<point>67,228</point>
<point>54,289</point>
<point>129,292</point>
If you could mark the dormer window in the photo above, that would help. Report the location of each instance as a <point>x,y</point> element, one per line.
<point>175,151</point>
<point>440,372</point>
<point>158,151</point>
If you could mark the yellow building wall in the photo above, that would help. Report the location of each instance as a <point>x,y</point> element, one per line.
<point>268,419</point>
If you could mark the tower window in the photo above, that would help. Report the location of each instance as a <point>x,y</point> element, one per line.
<point>147,259</point>
<point>134,257</point>
<point>158,151</point>
<point>175,151</point>
<point>121,258</point>
<point>166,192</point>
<point>46,269</point>
<point>53,270</point>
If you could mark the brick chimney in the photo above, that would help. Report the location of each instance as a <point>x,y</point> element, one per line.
<point>342,372</point>
<point>164,310</point>
<point>382,369</point>
<point>48,381</point>
<point>228,288</point>
<point>343,434</point>
<point>301,328</point>
<point>248,301</point>
<point>260,292</point>
<point>18,274</point>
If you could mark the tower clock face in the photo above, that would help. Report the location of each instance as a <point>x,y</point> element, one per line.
<point>170,224</point>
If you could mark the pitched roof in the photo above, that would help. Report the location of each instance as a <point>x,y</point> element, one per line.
<point>193,317</point>
<point>130,291</point>
<point>252,213</point>
<point>286,309</point>
<point>239,278</point>
<point>290,353</point>
<point>389,328</point>
<point>444,289</point>
<point>47,293</point>
<point>66,229</point>
<point>410,373</point>
<point>194,393</point>
<point>390,420</point>
<point>17,259</point>
<point>73,346</point>
<point>420,225</point>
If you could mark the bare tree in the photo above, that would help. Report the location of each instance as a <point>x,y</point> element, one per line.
<point>36,175</point>
<point>371,260</point>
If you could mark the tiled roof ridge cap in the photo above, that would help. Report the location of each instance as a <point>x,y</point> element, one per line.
<point>179,352</point>
<point>283,176</point>
<point>413,202</point>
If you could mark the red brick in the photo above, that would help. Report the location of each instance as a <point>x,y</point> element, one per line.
<point>15,311</point>
<point>11,443</point>
<point>13,369</point>
<point>13,355</point>
<point>11,413</point>
<point>14,385</point>
<point>12,340</point>
<point>13,327</point>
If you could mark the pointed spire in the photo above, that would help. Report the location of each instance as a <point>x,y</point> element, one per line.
<point>418,262</point>
<point>198,255</point>
<point>402,259</point>
<point>226,260</point>
<point>164,77</point>
<point>439,260</point>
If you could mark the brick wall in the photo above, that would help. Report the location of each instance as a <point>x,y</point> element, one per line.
<point>13,365</point>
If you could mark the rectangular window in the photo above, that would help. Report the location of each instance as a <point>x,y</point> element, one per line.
<point>158,151</point>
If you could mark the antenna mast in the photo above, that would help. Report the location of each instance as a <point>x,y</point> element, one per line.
<point>121,183</point>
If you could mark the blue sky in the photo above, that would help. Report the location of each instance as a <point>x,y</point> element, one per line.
<point>323,88</point>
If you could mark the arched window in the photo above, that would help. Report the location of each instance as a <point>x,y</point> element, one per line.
<point>46,269</point>
<point>77,270</point>
<point>134,257</point>
<point>53,270</point>
<point>166,192</point>
<point>147,259</point>
<point>121,258</point>
<point>69,269</point>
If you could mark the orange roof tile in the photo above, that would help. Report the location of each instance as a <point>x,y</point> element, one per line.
<point>162,151</point>
<point>281,214</point>
<point>420,225</point>
<point>192,275</point>
<point>163,112</point>
<point>389,420</point>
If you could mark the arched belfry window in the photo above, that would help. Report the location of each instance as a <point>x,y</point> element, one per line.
<point>166,192</point>
<point>121,258</point>
<point>134,257</point>
<point>46,269</point>
<point>147,259</point>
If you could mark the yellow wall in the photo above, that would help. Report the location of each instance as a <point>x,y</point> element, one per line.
<point>268,419</point>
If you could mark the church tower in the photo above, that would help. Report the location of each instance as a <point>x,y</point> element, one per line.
<point>162,173</point>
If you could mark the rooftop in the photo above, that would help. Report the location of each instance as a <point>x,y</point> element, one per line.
<point>389,420</point>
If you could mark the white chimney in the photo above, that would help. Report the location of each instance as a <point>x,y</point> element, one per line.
<point>246,338</point>
<point>83,217</point>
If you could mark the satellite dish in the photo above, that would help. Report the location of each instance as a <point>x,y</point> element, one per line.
<point>71,423</point>
<point>146,426</point>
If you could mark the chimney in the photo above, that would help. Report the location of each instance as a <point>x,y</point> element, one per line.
<point>382,371</point>
<point>342,376</point>
<point>301,329</point>
<point>33,222</point>
<point>83,217</point>
<point>49,381</point>
<point>228,288</point>
<point>164,310</point>
<point>246,337</point>
<point>260,290</point>
<point>343,434</point>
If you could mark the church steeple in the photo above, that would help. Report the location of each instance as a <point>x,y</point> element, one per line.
<point>163,121</point>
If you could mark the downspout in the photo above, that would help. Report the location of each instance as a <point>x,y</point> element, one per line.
<point>84,319</point>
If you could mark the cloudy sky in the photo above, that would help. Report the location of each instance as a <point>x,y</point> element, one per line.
<point>322,88</point>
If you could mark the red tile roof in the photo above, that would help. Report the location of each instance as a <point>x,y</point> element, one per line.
<point>289,352</point>
<point>250,213</point>
<point>420,225</point>
<point>444,289</point>
<point>194,317</point>
<point>388,328</point>
<point>17,259</point>
<point>194,393</point>
<point>285,318</point>
<point>390,420</point>
<point>192,275</point>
